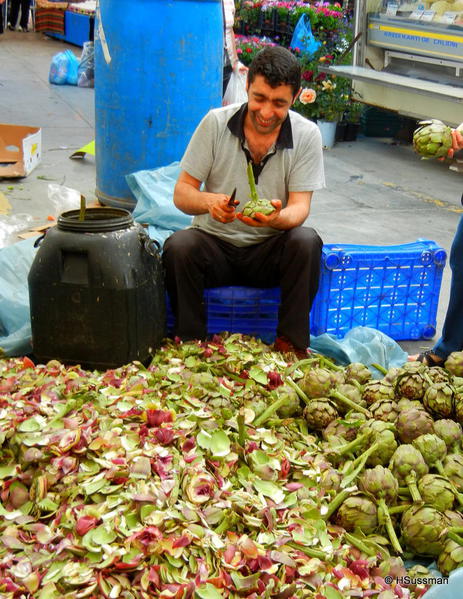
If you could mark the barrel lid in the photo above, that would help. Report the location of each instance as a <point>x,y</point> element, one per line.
<point>97,220</point>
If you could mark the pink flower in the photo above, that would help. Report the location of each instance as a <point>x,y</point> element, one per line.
<point>308,96</point>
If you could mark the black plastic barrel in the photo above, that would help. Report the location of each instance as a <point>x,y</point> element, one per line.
<point>96,291</point>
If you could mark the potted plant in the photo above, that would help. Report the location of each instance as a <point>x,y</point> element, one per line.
<point>324,97</point>
<point>352,117</point>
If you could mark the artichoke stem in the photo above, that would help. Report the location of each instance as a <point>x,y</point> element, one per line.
<point>353,540</point>
<point>399,509</point>
<point>273,407</point>
<point>358,465</point>
<point>440,468</point>
<point>360,458</point>
<point>304,362</point>
<point>336,502</point>
<point>329,364</point>
<point>389,526</point>
<point>303,428</point>
<point>308,551</point>
<point>415,494</point>
<point>241,429</point>
<point>351,404</point>
<point>298,390</point>
<point>381,369</point>
<point>348,447</point>
<point>223,526</point>
<point>455,537</point>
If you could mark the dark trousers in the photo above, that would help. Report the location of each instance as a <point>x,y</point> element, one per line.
<point>195,260</point>
<point>452,331</point>
<point>14,12</point>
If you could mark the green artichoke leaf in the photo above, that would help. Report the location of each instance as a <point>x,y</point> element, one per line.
<point>217,443</point>
<point>55,572</point>
<point>270,489</point>
<point>332,593</point>
<point>8,471</point>
<point>208,591</point>
<point>49,591</point>
<point>32,425</point>
<point>259,375</point>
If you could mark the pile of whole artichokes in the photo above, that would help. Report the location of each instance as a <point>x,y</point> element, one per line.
<point>398,441</point>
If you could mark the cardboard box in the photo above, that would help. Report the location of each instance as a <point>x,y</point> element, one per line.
<point>20,150</point>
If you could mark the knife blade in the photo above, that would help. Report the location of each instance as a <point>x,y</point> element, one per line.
<point>231,201</point>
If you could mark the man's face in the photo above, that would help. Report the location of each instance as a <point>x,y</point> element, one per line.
<point>268,106</point>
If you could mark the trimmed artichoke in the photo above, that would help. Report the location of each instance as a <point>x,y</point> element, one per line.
<point>408,466</point>
<point>319,413</point>
<point>358,512</point>
<point>453,469</point>
<point>261,205</point>
<point>437,492</point>
<point>432,139</point>
<point>438,399</point>
<point>386,410</point>
<point>422,527</point>
<point>450,558</point>
<point>412,423</point>
<point>454,363</point>
<point>382,484</point>
<point>433,449</point>
<point>356,371</point>
<point>316,382</point>
<point>450,431</point>
<point>374,391</point>
<point>292,405</point>
<point>411,382</point>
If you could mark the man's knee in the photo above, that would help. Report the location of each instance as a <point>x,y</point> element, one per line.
<point>181,244</point>
<point>305,239</point>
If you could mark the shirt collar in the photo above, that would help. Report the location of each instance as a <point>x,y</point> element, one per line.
<point>236,126</point>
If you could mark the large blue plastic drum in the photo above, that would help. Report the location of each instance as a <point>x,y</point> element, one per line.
<point>158,70</point>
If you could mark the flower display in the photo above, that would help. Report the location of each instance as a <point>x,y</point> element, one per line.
<point>323,96</point>
<point>248,46</point>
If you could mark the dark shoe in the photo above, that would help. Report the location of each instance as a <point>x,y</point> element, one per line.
<point>429,358</point>
<point>10,27</point>
<point>285,346</point>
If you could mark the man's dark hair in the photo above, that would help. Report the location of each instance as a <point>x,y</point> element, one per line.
<point>278,66</point>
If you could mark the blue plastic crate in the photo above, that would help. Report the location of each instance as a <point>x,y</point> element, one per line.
<point>394,289</point>
<point>246,310</point>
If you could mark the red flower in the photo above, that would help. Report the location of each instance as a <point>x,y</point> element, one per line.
<point>320,77</point>
<point>249,50</point>
<point>307,75</point>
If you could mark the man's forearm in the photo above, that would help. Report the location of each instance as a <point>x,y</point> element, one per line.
<point>190,200</point>
<point>290,217</point>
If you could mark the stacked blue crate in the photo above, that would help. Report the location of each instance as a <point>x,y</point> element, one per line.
<point>394,289</point>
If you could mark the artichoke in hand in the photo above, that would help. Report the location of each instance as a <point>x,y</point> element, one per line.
<point>256,204</point>
<point>432,139</point>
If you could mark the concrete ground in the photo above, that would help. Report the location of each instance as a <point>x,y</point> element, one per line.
<point>378,191</point>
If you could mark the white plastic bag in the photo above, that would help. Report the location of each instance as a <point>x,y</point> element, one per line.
<point>236,88</point>
<point>63,198</point>
<point>86,70</point>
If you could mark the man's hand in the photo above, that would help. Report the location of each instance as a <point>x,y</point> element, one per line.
<point>262,220</point>
<point>457,142</point>
<point>220,210</point>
